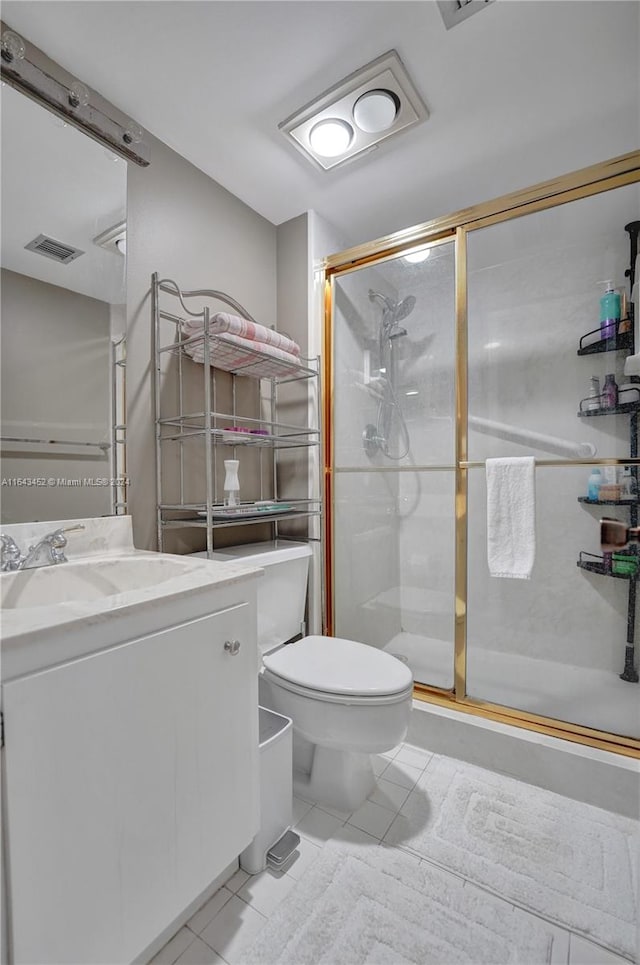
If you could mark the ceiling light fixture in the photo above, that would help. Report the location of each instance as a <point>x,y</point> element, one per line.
<point>370,105</point>
<point>330,138</point>
<point>376,111</point>
<point>113,239</point>
<point>416,255</point>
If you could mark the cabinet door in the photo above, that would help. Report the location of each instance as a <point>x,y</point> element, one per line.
<point>131,783</point>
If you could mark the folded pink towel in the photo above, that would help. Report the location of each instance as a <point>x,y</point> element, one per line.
<point>235,354</point>
<point>223,322</point>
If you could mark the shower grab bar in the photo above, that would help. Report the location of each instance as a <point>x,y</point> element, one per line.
<point>562,447</point>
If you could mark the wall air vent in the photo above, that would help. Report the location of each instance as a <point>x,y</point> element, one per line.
<point>455,11</point>
<point>56,250</point>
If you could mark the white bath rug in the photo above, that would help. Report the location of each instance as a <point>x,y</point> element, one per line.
<point>567,861</point>
<point>376,905</point>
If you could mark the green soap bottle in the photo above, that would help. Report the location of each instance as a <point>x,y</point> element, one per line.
<point>609,311</point>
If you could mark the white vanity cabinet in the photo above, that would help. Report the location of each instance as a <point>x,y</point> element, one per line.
<point>131,784</point>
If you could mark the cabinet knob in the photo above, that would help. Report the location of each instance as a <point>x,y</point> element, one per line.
<point>232,646</point>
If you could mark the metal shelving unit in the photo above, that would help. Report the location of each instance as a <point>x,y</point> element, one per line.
<point>603,565</point>
<point>217,430</point>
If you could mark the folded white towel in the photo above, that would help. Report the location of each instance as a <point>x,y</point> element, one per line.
<point>511,517</point>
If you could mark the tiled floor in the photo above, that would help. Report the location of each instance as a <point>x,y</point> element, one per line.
<point>231,919</point>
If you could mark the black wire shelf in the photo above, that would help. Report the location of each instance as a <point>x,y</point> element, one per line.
<point>608,502</point>
<point>625,408</point>
<point>603,567</point>
<point>620,342</point>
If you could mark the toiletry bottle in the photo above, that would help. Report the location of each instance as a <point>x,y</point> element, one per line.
<point>628,484</point>
<point>594,394</point>
<point>609,311</point>
<point>231,483</point>
<point>610,392</point>
<point>593,485</point>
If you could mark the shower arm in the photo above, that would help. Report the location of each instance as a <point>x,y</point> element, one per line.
<point>513,433</point>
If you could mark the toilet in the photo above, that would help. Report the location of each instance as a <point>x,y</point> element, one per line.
<point>347,700</point>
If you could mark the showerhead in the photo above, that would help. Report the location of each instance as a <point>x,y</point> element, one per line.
<point>404,308</point>
<point>388,304</point>
<point>394,312</point>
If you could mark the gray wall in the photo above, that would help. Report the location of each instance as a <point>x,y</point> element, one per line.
<point>55,385</point>
<point>187,227</point>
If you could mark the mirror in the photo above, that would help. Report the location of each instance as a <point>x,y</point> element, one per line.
<point>63,319</point>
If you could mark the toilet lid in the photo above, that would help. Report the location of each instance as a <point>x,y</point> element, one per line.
<point>336,666</point>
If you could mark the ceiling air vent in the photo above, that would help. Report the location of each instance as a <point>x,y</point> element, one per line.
<point>57,250</point>
<point>455,11</point>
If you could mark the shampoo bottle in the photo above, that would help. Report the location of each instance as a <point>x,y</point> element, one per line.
<point>610,392</point>
<point>593,485</point>
<point>609,311</point>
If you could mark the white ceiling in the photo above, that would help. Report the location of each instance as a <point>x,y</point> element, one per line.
<point>523,91</point>
<point>58,182</point>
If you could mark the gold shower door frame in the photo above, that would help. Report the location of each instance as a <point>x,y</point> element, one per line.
<point>596,179</point>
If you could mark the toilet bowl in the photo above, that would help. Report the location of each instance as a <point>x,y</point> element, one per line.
<point>347,700</point>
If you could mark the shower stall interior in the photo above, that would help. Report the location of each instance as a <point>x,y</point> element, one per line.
<point>484,347</point>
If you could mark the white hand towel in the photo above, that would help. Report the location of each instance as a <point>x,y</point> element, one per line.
<point>511,517</point>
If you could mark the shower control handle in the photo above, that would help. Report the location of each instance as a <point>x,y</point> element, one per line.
<point>232,647</point>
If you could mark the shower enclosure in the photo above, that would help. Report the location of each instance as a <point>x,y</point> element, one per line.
<point>473,337</point>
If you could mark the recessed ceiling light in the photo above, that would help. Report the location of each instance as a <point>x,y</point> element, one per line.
<point>417,255</point>
<point>376,111</point>
<point>330,138</point>
<point>113,239</point>
<point>373,104</point>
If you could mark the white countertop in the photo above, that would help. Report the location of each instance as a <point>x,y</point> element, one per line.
<point>144,608</point>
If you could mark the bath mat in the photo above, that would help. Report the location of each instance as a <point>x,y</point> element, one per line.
<point>376,905</point>
<point>572,863</point>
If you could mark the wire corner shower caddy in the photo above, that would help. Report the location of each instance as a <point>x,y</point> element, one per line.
<point>214,429</point>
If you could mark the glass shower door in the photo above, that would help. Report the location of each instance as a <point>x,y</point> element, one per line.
<point>552,645</point>
<point>394,459</point>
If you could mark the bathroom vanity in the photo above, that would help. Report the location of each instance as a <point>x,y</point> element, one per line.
<point>131,744</point>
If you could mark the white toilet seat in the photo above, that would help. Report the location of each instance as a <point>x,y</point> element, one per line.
<point>339,671</point>
<point>331,698</point>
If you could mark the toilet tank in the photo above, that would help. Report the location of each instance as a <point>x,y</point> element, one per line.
<point>282,591</point>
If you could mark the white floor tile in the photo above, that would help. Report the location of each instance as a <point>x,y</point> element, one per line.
<point>265,891</point>
<point>233,929</point>
<point>406,775</point>
<point>318,825</point>
<point>352,835</point>
<point>399,831</point>
<point>198,953</point>
<point>174,948</point>
<point>389,795</point>
<point>209,910</point>
<point>235,883</point>
<point>300,808</point>
<point>373,819</point>
<point>415,756</point>
<point>583,952</point>
<point>336,812</point>
<point>304,856</point>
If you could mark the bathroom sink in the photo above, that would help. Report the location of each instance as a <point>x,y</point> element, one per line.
<point>88,580</point>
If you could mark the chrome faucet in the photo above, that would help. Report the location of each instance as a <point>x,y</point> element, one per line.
<point>46,552</point>
<point>12,558</point>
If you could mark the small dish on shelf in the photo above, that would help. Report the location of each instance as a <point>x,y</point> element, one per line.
<point>257,510</point>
